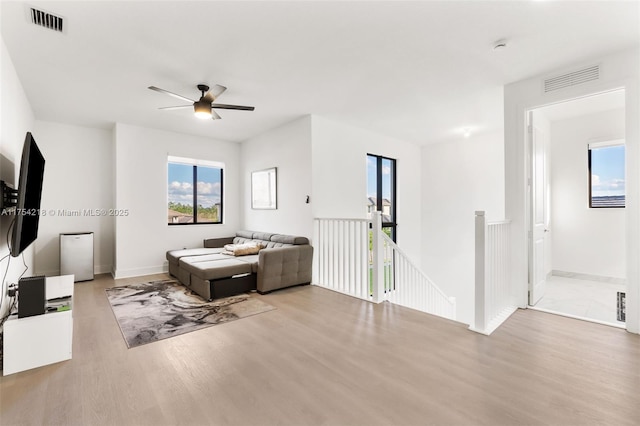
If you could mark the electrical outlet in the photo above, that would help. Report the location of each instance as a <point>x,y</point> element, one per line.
<point>11,291</point>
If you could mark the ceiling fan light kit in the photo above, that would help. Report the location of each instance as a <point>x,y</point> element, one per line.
<point>203,108</point>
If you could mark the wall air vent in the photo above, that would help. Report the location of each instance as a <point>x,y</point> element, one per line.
<point>46,20</point>
<point>572,79</point>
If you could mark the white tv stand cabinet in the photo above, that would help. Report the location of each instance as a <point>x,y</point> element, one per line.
<point>39,340</point>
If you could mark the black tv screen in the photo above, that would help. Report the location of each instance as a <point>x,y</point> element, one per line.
<point>25,229</point>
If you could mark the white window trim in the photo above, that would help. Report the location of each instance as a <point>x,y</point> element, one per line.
<point>194,162</point>
<point>604,144</point>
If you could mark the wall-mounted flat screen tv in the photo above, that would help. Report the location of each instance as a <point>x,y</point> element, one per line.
<point>25,228</point>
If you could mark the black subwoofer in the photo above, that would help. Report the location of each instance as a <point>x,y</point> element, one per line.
<point>31,296</point>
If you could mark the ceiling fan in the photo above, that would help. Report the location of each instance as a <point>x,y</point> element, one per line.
<point>203,108</point>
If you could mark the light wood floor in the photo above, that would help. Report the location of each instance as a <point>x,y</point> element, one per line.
<point>323,358</point>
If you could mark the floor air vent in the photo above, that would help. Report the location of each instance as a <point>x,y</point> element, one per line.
<point>47,20</point>
<point>622,311</point>
<point>572,79</point>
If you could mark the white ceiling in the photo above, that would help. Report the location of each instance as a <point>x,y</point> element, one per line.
<point>418,71</point>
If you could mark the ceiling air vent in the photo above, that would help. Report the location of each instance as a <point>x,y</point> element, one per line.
<point>572,79</point>
<point>46,20</point>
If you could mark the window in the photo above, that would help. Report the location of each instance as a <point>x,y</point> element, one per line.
<point>606,174</point>
<point>381,191</point>
<point>194,191</point>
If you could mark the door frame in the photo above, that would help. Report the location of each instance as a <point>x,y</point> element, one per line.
<point>533,124</point>
<point>518,122</point>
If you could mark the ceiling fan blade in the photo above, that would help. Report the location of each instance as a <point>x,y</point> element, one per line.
<point>176,107</point>
<point>214,92</point>
<point>217,90</point>
<point>214,115</point>
<point>157,89</point>
<point>240,107</point>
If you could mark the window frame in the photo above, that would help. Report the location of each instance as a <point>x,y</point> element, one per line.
<point>597,145</point>
<point>393,225</point>
<point>194,163</point>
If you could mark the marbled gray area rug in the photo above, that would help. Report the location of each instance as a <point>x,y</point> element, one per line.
<point>156,310</point>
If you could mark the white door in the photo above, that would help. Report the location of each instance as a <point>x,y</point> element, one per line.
<point>538,232</point>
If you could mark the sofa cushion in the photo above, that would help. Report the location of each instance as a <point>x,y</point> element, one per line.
<point>245,234</point>
<point>174,255</point>
<point>264,236</point>
<point>252,260</point>
<point>272,244</point>
<point>202,258</point>
<point>216,269</point>
<point>242,240</point>
<point>217,242</point>
<point>289,239</point>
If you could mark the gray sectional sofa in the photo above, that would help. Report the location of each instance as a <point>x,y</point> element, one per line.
<point>284,261</point>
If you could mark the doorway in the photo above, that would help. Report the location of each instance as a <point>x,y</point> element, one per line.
<point>577,235</point>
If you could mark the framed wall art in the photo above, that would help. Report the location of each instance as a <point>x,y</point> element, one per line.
<point>264,188</point>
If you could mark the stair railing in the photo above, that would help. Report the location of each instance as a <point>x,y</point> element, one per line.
<point>356,257</point>
<point>494,299</point>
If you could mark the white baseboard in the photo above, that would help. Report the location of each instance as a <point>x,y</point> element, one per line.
<point>138,272</point>
<point>97,269</point>
<point>496,322</point>
<point>550,311</point>
<point>589,277</point>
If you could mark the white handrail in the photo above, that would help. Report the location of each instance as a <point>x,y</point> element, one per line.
<point>411,287</point>
<point>398,250</point>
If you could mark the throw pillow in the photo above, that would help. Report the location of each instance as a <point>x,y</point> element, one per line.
<point>242,249</point>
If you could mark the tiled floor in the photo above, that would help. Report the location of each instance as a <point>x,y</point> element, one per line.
<point>590,300</point>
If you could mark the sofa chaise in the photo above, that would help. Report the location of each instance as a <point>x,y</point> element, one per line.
<point>213,272</point>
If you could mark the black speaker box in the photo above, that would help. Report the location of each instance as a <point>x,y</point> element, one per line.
<point>32,297</point>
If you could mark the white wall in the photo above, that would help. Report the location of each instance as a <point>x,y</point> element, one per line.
<point>339,173</point>
<point>458,178</point>
<point>585,240</point>
<point>143,237</point>
<point>288,148</point>
<point>621,70</point>
<point>78,179</point>
<point>16,118</point>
